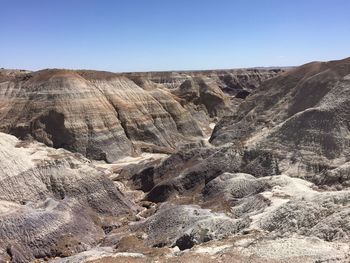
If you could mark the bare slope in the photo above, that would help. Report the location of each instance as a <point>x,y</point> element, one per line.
<point>107,116</point>
<point>304,110</point>
<point>53,202</point>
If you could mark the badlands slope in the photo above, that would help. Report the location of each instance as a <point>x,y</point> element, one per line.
<point>107,116</point>
<point>271,185</point>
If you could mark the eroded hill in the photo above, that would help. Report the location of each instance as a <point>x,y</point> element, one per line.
<point>271,186</point>
<point>107,116</point>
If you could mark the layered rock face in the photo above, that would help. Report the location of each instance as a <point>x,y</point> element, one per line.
<point>304,111</point>
<point>230,81</point>
<point>296,124</point>
<point>207,94</point>
<point>63,110</point>
<point>279,168</point>
<point>107,116</point>
<point>272,186</point>
<point>98,117</point>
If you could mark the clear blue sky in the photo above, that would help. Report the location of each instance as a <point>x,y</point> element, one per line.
<point>141,35</point>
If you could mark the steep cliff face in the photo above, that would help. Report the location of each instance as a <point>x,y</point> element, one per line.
<point>106,116</point>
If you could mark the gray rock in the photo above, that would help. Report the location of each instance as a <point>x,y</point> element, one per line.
<point>324,215</point>
<point>237,185</point>
<point>185,226</point>
<point>52,201</point>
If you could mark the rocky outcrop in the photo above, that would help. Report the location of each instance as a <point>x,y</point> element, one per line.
<point>52,201</point>
<point>103,117</point>
<point>296,125</point>
<point>255,216</point>
<point>231,186</point>
<point>56,203</point>
<point>203,92</point>
<point>304,111</point>
<point>187,172</point>
<point>186,226</point>
<point>229,81</point>
<point>272,187</point>
<point>323,216</point>
<point>107,116</point>
<point>63,110</point>
<point>206,94</point>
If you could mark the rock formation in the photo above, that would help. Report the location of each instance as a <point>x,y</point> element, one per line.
<point>52,201</point>
<point>303,114</point>
<point>271,185</point>
<point>230,81</point>
<point>101,118</point>
<point>107,116</point>
<point>185,226</point>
